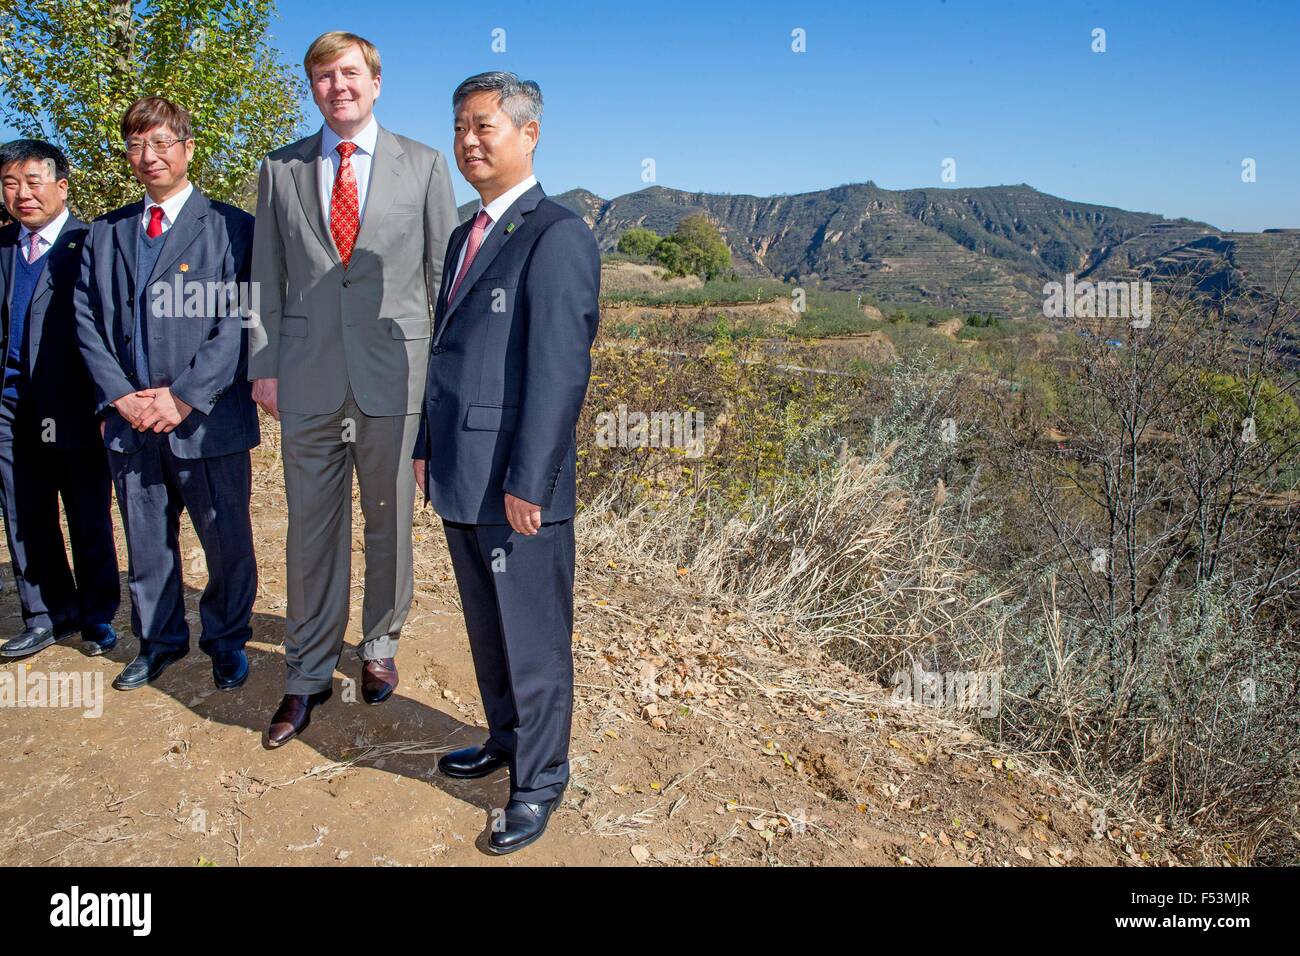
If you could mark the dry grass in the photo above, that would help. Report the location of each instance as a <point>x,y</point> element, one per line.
<point>850,564</point>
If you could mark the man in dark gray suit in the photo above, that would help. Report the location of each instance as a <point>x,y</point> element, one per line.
<point>496,453</point>
<point>49,434</point>
<point>352,227</point>
<point>162,305</point>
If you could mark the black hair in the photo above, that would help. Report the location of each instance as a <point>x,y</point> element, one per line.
<point>25,150</point>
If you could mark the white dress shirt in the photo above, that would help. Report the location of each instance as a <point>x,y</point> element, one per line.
<point>329,169</point>
<point>495,210</point>
<point>171,207</point>
<point>47,234</point>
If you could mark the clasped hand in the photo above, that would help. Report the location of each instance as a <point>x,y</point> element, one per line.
<point>153,409</point>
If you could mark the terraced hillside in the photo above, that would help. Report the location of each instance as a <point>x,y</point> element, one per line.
<point>988,249</point>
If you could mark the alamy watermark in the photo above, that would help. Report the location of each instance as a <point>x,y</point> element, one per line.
<point>678,429</point>
<point>75,908</point>
<point>1098,300</point>
<point>77,690</point>
<point>207,298</point>
<point>980,691</point>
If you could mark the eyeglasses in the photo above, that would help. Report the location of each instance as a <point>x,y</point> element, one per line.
<point>136,148</point>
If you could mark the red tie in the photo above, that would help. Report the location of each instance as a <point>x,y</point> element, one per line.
<point>471,250</point>
<point>154,230</point>
<point>345,208</point>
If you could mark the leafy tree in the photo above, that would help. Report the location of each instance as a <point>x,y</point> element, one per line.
<point>695,248</point>
<point>638,242</point>
<point>1257,407</point>
<point>670,254</point>
<point>69,70</point>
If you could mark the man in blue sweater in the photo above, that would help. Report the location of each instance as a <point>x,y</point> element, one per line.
<point>49,434</point>
<point>164,341</point>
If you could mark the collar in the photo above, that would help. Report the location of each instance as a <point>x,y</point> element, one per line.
<point>49,232</point>
<point>171,207</point>
<point>365,140</point>
<point>497,207</point>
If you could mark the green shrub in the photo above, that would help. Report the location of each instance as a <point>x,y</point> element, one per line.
<point>638,242</point>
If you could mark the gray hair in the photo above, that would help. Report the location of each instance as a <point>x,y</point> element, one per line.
<point>520,99</point>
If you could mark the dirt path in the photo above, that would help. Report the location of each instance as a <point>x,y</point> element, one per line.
<point>735,757</point>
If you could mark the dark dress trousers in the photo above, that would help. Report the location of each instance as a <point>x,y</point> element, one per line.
<point>135,332</point>
<point>50,447</point>
<point>508,371</point>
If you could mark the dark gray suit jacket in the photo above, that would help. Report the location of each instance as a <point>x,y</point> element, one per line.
<point>509,365</point>
<point>58,387</point>
<point>201,357</point>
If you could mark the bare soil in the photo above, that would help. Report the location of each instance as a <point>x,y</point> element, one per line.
<point>697,740</point>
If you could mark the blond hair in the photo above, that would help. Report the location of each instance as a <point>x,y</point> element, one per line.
<point>328,47</point>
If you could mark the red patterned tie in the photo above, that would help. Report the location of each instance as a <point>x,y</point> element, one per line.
<point>471,249</point>
<point>345,208</point>
<point>154,229</point>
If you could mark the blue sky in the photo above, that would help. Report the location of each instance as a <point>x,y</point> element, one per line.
<point>886,91</point>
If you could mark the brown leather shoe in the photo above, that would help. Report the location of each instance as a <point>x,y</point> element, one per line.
<point>292,716</point>
<point>378,680</point>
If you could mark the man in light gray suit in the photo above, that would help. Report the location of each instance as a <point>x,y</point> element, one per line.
<point>348,249</point>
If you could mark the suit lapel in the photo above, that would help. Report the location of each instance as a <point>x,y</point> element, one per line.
<point>126,234</point>
<point>57,249</point>
<point>495,241</point>
<point>307,174</point>
<point>188,226</point>
<point>45,285</point>
<point>7,267</point>
<point>454,243</point>
<point>386,166</point>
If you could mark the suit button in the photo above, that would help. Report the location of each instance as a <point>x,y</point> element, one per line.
<point>128,338</point>
<point>437,350</point>
<point>346,283</point>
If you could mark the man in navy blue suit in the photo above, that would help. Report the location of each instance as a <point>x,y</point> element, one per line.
<point>49,433</point>
<point>496,453</point>
<point>163,304</point>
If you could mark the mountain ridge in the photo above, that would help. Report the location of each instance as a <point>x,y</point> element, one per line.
<point>983,248</point>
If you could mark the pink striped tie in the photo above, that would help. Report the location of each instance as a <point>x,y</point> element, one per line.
<point>475,240</point>
<point>34,252</point>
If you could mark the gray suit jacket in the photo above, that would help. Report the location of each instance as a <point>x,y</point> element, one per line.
<point>323,327</point>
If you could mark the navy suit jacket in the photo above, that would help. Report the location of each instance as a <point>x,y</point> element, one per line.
<point>58,387</point>
<point>202,357</point>
<point>509,365</point>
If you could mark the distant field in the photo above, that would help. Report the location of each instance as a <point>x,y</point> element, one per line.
<point>647,303</point>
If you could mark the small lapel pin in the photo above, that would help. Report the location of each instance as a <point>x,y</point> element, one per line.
<point>510,227</point>
<point>72,245</point>
<point>185,267</point>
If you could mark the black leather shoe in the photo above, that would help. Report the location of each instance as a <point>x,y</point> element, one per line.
<point>146,667</point>
<point>30,641</point>
<point>98,639</point>
<point>470,763</point>
<point>229,669</point>
<point>523,823</point>
<point>292,716</point>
